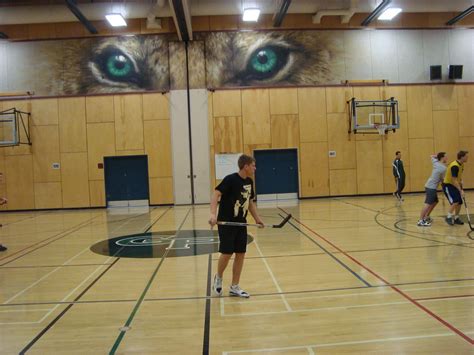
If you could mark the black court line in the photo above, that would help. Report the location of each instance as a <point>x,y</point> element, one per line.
<point>60,315</point>
<point>332,256</point>
<point>57,236</point>
<point>207,319</point>
<point>378,213</point>
<point>55,320</point>
<point>24,219</point>
<point>47,266</point>
<point>397,226</point>
<point>167,299</point>
<point>127,324</point>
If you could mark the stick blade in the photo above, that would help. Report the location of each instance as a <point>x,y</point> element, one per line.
<point>285,221</point>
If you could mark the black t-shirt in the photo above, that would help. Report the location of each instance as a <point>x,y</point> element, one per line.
<point>235,199</point>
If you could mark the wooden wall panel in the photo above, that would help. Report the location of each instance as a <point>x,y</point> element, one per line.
<point>444,97</point>
<point>369,167</point>
<point>284,102</point>
<point>343,182</point>
<point>100,109</point>
<point>228,135</point>
<point>446,130</point>
<point>419,106</point>
<point>394,141</point>
<point>75,180</point>
<point>210,119</point>
<point>336,99</point>
<point>285,131</point>
<point>161,191</point>
<point>48,195</point>
<point>19,182</point>
<point>128,122</point>
<point>156,107</point>
<point>341,142</point>
<point>43,167</point>
<point>465,95</point>
<point>421,170</point>
<point>467,143</point>
<point>314,167</point>
<point>250,148</point>
<point>256,116</point>
<point>44,112</point>
<point>227,103</point>
<point>100,144</point>
<point>312,114</point>
<point>367,92</point>
<point>130,152</point>
<point>397,92</point>
<point>72,125</point>
<point>158,148</point>
<point>97,193</point>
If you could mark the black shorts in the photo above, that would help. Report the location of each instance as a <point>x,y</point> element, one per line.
<point>431,196</point>
<point>452,194</point>
<point>232,239</point>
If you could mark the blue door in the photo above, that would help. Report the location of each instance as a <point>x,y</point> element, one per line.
<point>277,171</point>
<point>126,178</point>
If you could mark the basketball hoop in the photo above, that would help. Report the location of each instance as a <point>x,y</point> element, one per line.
<point>382,128</point>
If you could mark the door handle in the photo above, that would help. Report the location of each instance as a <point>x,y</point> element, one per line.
<point>194,176</point>
<point>189,176</point>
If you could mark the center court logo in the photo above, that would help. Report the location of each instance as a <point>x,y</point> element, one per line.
<point>156,244</point>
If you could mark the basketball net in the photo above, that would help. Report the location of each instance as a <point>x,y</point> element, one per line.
<point>382,128</point>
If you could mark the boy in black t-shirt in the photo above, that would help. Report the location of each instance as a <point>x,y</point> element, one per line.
<point>236,200</point>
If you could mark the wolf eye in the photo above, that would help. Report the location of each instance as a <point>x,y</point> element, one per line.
<point>117,66</point>
<point>266,62</point>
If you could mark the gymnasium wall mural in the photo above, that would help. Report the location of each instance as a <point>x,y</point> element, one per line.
<point>230,59</point>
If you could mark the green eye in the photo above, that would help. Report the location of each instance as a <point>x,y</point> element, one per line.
<point>264,61</point>
<point>118,65</point>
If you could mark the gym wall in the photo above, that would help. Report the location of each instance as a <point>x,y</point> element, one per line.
<point>315,120</point>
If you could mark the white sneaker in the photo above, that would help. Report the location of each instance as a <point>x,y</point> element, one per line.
<point>423,223</point>
<point>217,285</point>
<point>429,219</point>
<point>235,290</point>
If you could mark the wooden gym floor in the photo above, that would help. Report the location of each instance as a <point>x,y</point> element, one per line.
<point>347,275</point>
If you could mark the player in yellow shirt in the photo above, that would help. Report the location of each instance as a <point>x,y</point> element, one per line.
<point>452,187</point>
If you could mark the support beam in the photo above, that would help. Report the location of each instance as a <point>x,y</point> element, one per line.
<point>182,19</point>
<point>281,13</point>
<point>71,4</point>
<point>459,17</point>
<point>374,14</point>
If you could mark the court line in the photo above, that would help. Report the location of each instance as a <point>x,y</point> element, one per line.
<point>382,212</point>
<point>343,343</point>
<point>419,305</point>
<point>38,336</point>
<point>46,266</point>
<point>25,310</point>
<point>331,255</point>
<point>142,296</point>
<point>24,219</point>
<point>443,297</point>
<point>280,291</point>
<point>67,231</point>
<point>207,317</point>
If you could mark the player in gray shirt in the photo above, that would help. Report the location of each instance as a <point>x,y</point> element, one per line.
<point>431,198</point>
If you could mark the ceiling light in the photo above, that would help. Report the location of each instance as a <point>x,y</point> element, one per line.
<point>116,20</point>
<point>390,13</point>
<point>251,15</point>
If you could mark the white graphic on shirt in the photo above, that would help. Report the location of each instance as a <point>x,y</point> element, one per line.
<point>242,204</point>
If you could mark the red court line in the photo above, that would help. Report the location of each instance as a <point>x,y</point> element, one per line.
<point>419,305</point>
<point>442,297</point>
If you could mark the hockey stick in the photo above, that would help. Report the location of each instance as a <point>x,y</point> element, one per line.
<point>238,224</point>
<point>468,216</point>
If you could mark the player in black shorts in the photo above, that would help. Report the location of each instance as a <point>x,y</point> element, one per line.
<point>236,200</point>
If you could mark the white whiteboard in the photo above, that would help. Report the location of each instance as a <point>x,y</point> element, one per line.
<point>226,164</point>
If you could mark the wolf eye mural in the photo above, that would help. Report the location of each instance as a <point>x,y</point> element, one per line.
<point>157,62</point>
<point>273,58</point>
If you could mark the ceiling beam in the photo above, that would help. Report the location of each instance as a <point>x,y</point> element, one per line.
<point>71,4</point>
<point>378,10</point>
<point>459,17</point>
<point>182,19</point>
<point>281,13</point>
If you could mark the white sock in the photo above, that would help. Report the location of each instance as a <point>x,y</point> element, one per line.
<point>456,217</point>
<point>450,215</point>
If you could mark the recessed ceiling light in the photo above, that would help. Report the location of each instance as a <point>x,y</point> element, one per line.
<point>389,13</point>
<point>116,20</point>
<point>251,15</point>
